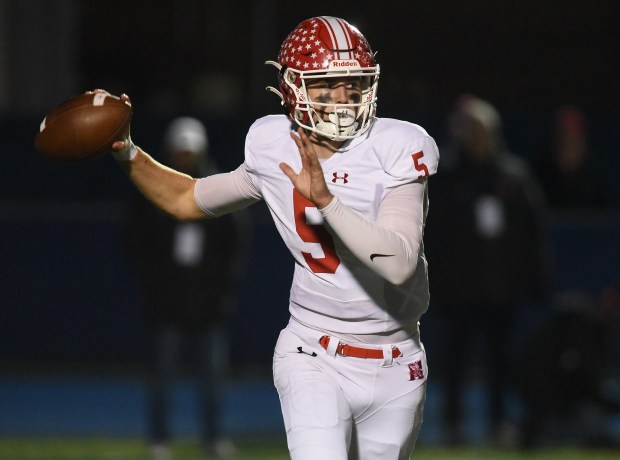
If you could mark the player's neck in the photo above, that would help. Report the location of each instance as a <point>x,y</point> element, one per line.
<point>325,148</point>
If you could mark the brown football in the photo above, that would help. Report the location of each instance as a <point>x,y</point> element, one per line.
<point>84,126</point>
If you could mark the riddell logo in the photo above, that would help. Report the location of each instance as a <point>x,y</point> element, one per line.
<point>351,63</point>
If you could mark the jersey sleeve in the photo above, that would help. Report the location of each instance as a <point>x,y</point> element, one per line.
<point>411,155</point>
<point>223,193</point>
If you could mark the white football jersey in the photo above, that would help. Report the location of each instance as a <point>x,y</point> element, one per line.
<point>331,289</point>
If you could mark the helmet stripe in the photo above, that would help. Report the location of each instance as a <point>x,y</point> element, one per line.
<point>339,35</point>
<point>345,29</point>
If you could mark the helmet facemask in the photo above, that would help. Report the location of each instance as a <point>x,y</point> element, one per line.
<point>336,121</point>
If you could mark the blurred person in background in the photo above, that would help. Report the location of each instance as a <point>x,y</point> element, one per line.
<point>610,304</point>
<point>188,272</point>
<point>485,241</point>
<point>568,168</point>
<point>569,378</point>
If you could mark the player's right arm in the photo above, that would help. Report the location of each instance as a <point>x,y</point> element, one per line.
<point>177,193</point>
<point>170,190</point>
<point>180,195</point>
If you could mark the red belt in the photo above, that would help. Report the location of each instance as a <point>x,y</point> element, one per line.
<point>358,352</point>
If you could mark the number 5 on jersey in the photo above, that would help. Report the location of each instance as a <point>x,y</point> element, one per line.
<point>314,233</point>
<point>421,167</point>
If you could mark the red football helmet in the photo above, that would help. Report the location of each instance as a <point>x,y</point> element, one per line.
<point>327,47</point>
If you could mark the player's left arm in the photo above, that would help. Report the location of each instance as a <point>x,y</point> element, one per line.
<point>390,245</point>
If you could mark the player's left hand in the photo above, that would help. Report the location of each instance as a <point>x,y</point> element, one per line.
<point>310,181</point>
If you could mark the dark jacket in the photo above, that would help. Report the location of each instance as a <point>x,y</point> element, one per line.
<point>501,263</point>
<point>190,292</point>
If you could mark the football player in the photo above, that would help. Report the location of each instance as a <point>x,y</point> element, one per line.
<point>348,195</point>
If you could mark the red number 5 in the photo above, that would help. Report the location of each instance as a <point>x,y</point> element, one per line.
<point>312,233</point>
<point>419,166</point>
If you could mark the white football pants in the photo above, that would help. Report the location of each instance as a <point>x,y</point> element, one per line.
<point>346,408</point>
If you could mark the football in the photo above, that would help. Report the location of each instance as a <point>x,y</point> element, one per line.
<point>84,126</point>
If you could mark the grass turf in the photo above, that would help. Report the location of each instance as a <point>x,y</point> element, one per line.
<point>253,449</point>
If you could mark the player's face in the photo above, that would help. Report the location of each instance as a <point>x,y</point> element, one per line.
<point>344,90</point>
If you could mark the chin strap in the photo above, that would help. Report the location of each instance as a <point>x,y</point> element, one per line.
<point>327,129</point>
<point>341,123</point>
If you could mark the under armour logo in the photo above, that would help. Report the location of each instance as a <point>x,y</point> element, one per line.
<point>343,178</point>
<point>415,371</point>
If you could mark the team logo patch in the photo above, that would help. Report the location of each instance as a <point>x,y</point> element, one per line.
<point>344,177</point>
<point>415,371</point>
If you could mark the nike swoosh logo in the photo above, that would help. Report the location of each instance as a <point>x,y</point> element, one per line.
<point>372,256</point>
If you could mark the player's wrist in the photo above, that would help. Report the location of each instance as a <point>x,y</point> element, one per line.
<point>323,201</point>
<point>127,153</point>
<point>329,206</point>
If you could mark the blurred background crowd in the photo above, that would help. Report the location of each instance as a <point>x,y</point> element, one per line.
<point>522,236</point>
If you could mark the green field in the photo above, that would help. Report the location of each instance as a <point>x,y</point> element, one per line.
<point>124,449</point>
